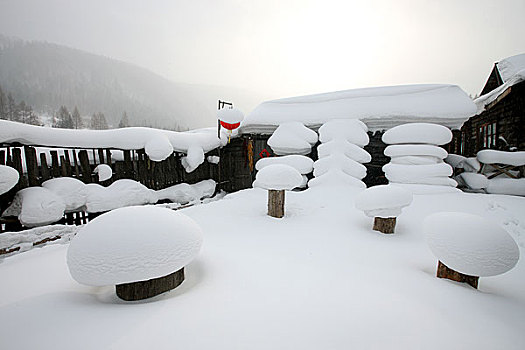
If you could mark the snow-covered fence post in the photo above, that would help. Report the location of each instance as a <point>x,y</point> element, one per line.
<point>276,178</point>
<point>468,247</point>
<point>384,204</point>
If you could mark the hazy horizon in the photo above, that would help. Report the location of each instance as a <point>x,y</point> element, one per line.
<point>286,48</point>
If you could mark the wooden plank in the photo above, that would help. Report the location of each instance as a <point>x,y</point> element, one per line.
<point>108,157</point>
<point>55,167</point>
<point>100,155</point>
<point>84,166</point>
<point>17,164</point>
<point>128,166</point>
<point>75,161</point>
<point>31,166</point>
<point>2,157</point>
<point>63,169</point>
<point>44,169</point>
<point>68,162</point>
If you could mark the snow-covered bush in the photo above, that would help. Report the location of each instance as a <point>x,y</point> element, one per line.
<point>276,178</point>
<point>384,203</point>
<point>416,158</point>
<point>8,178</point>
<point>142,250</point>
<point>469,246</point>
<point>341,154</point>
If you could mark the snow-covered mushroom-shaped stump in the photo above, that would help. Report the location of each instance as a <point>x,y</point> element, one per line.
<point>277,178</point>
<point>141,250</point>
<point>468,247</point>
<point>384,203</point>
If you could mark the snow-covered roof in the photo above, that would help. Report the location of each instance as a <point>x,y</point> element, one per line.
<point>512,72</point>
<point>380,108</point>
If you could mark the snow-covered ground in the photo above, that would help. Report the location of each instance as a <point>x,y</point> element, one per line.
<point>319,278</point>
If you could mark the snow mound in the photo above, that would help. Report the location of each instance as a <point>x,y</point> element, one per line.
<point>415,160</point>
<point>336,177</point>
<point>292,138</point>
<point>474,181</point>
<point>278,177</point>
<point>36,206</point>
<point>340,162</point>
<point>510,66</point>
<point>72,191</point>
<point>402,173</point>
<point>415,150</point>
<point>471,165</point>
<point>133,244</point>
<point>344,147</point>
<point>193,159</point>
<point>352,130</point>
<point>302,164</point>
<point>213,159</point>
<point>384,201</point>
<point>470,244</point>
<point>158,148</point>
<point>426,133</point>
<point>489,156</point>
<point>455,160</point>
<point>8,178</point>
<point>514,187</point>
<point>230,115</point>
<point>104,172</point>
<point>421,189</point>
<point>121,193</point>
<point>184,193</point>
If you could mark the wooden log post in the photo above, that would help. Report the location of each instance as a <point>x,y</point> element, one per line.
<point>276,203</point>
<point>84,166</point>
<point>384,225</point>
<point>54,164</point>
<point>31,166</point>
<point>150,288</point>
<point>67,163</point>
<point>17,164</point>
<point>44,169</point>
<point>443,271</point>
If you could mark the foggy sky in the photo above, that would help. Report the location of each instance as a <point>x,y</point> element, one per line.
<point>287,47</point>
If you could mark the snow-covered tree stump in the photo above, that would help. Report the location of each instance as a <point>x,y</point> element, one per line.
<point>150,288</point>
<point>276,203</point>
<point>384,225</point>
<point>443,271</point>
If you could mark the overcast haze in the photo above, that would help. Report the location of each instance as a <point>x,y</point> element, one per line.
<point>285,48</point>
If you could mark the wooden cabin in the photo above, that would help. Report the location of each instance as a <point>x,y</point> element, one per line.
<point>500,120</point>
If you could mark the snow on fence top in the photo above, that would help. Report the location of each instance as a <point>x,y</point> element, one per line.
<point>158,144</point>
<point>512,72</point>
<point>380,108</point>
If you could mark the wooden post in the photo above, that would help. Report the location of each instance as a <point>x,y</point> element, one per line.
<point>384,225</point>
<point>17,164</point>
<point>108,157</point>
<point>100,152</point>
<point>84,165</point>
<point>75,161</point>
<point>128,165</point>
<point>150,288</point>
<point>67,163</point>
<point>31,166</point>
<point>63,168</point>
<point>44,169</point>
<point>54,164</point>
<point>276,203</point>
<point>443,271</point>
<point>2,157</point>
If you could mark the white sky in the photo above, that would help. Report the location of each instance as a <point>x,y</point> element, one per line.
<point>286,47</point>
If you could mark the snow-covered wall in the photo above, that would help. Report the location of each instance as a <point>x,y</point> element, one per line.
<point>380,108</point>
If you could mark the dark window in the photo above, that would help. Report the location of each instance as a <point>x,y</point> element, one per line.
<point>487,135</point>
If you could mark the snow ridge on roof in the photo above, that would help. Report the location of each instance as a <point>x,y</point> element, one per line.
<point>512,72</point>
<point>380,107</point>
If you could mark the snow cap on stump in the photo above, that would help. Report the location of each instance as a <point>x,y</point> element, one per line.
<point>292,138</point>
<point>434,134</point>
<point>133,244</point>
<point>278,177</point>
<point>8,178</point>
<point>385,201</point>
<point>104,172</point>
<point>470,244</point>
<point>302,164</point>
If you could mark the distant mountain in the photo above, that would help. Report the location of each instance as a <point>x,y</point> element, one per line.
<point>47,76</point>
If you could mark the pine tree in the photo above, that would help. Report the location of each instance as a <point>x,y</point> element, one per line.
<point>12,109</point>
<point>98,121</point>
<point>64,119</point>
<point>124,121</point>
<point>77,119</point>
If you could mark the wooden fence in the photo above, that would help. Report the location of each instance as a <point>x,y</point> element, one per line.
<point>232,173</point>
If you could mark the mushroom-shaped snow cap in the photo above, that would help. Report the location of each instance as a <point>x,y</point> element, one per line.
<point>8,178</point>
<point>278,177</point>
<point>434,134</point>
<point>302,164</point>
<point>104,172</point>
<point>385,201</point>
<point>133,244</point>
<point>470,244</point>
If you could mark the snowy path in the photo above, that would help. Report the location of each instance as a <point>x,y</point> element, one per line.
<point>318,279</point>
